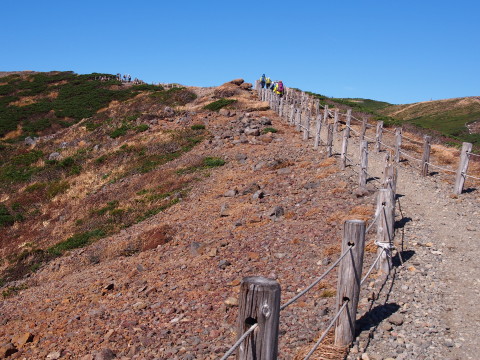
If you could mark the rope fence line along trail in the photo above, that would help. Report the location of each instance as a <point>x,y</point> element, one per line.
<point>409,156</point>
<point>320,278</point>
<point>442,168</point>
<point>472,177</point>
<point>239,342</point>
<point>319,341</point>
<point>372,266</point>
<point>373,221</point>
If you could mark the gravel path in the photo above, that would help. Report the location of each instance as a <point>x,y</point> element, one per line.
<point>423,310</point>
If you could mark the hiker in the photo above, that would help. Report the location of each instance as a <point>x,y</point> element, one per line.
<point>262,81</point>
<point>268,81</point>
<point>278,89</point>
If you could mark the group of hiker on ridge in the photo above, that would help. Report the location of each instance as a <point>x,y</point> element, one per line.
<point>276,86</point>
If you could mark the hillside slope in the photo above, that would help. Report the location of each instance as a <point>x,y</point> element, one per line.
<point>166,285</point>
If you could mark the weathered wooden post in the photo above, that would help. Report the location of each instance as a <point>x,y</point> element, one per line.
<point>291,120</point>
<point>280,110</point>
<point>378,137</point>
<point>348,120</point>
<point>398,144</point>
<point>259,303</point>
<point>325,114</point>
<point>335,121</point>
<point>318,129</point>
<point>426,155</point>
<point>306,129</point>
<point>349,277</point>
<point>329,140</point>
<point>346,135</point>
<point>462,168</point>
<point>364,129</point>
<point>298,120</point>
<point>363,164</point>
<point>390,175</point>
<point>385,228</point>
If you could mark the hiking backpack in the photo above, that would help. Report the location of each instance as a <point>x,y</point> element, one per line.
<point>280,87</point>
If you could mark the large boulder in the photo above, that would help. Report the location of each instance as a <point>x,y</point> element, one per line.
<point>237,82</point>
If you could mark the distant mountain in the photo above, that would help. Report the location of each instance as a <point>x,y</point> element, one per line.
<point>458,118</point>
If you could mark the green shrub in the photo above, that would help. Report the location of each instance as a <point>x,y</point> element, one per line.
<point>197,127</point>
<point>56,188</point>
<point>142,128</point>
<point>76,241</point>
<point>217,105</point>
<point>269,129</point>
<point>6,219</point>
<point>213,162</point>
<point>122,130</point>
<point>101,159</point>
<point>34,187</point>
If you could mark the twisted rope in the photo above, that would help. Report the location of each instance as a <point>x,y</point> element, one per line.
<point>308,288</point>
<point>374,221</point>
<point>317,344</point>
<point>239,341</point>
<point>372,266</point>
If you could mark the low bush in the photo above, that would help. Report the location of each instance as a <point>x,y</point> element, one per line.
<point>197,127</point>
<point>219,104</point>
<point>269,129</point>
<point>76,241</point>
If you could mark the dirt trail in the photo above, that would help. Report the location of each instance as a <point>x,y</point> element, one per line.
<point>437,288</point>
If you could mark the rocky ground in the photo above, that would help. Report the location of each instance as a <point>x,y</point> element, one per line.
<point>275,209</point>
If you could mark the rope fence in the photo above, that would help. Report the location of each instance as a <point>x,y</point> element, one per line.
<point>261,308</point>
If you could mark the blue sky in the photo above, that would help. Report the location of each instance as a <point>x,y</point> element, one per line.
<point>400,52</point>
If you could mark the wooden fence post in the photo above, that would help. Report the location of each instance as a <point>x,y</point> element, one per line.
<point>462,168</point>
<point>335,121</point>
<point>390,175</point>
<point>378,137</point>
<point>385,227</point>
<point>398,143</point>
<point>363,164</point>
<point>259,302</point>
<point>364,129</point>
<point>426,155</point>
<point>298,120</point>
<point>348,120</point>
<point>325,114</point>
<point>329,140</point>
<point>318,129</point>
<point>346,135</point>
<point>306,129</point>
<point>349,277</point>
<point>292,114</point>
<point>280,110</point>
<point>343,153</point>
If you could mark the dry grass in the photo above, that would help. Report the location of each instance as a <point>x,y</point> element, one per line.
<point>332,250</point>
<point>29,100</point>
<point>327,162</point>
<point>13,134</point>
<point>327,172</point>
<point>326,351</point>
<point>361,212</point>
<point>444,155</point>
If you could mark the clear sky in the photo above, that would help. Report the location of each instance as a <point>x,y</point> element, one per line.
<point>396,51</point>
